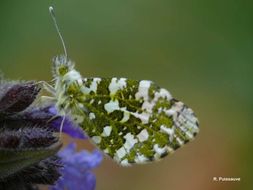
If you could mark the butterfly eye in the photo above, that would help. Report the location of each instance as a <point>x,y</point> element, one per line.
<point>62,70</point>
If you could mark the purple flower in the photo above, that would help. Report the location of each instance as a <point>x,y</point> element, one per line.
<point>76,173</point>
<point>68,127</point>
<point>28,145</point>
<point>49,113</point>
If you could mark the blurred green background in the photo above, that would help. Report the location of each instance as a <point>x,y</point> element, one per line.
<point>201,51</point>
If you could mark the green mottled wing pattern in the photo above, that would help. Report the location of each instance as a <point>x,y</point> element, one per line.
<point>132,121</point>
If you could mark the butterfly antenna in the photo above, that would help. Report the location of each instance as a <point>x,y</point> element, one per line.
<point>52,13</point>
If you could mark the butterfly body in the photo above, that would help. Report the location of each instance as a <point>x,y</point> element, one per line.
<point>131,121</point>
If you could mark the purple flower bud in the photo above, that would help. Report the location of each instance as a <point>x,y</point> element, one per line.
<point>16,97</point>
<point>28,145</point>
<point>23,148</point>
<point>42,115</point>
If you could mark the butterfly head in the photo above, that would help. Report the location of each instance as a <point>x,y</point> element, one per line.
<point>61,66</point>
<point>67,79</point>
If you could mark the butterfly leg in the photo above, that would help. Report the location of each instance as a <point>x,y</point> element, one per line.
<point>49,88</point>
<point>45,101</point>
<point>62,123</point>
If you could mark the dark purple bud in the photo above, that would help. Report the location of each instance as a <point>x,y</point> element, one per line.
<point>9,140</point>
<point>43,172</point>
<point>24,147</point>
<point>16,97</point>
<point>28,142</point>
<point>27,137</point>
<point>49,117</point>
<point>38,137</point>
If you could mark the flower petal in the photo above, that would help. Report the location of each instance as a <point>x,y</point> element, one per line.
<point>76,174</point>
<point>48,116</point>
<point>69,127</point>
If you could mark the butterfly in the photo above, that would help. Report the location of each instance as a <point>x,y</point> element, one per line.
<point>131,121</point>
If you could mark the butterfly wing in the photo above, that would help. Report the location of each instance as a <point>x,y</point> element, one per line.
<point>134,121</point>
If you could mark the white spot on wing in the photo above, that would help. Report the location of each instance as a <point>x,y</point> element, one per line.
<point>170,112</point>
<point>170,150</point>
<point>92,101</point>
<point>92,116</point>
<point>112,106</point>
<point>95,82</point>
<point>179,141</point>
<point>140,159</point>
<point>107,131</point>
<point>159,150</point>
<point>120,153</point>
<point>117,84</point>
<point>143,92</point>
<point>106,150</point>
<point>144,86</point>
<point>189,134</point>
<point>130,141</point>
<point>164,94</point>
<point>96,139</point>
<point>126,117</point>
<point>125,162</point>
<point>144,117</point>
<point>143,135</point>
<point>169,131</point>
<point>93,86</point>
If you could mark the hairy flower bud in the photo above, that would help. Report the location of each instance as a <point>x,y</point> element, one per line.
<point>28,145</point>
<point>15,97</point>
